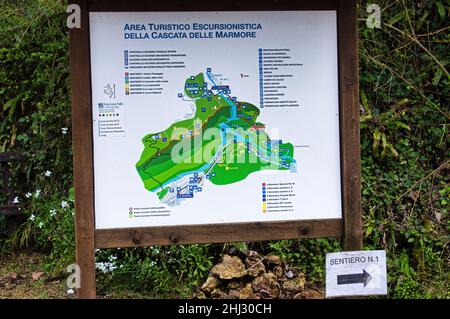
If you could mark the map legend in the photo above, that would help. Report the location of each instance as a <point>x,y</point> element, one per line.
<point>278,197</point>
<point>127,83</point>
<point>125,58</point>
<point>261,81</point>
<point>130,214</point>
<point>111,119</point>
<point>277,72</point>
<point>264,207</point>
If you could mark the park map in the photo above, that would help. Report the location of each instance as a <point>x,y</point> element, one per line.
<point>221,142</point>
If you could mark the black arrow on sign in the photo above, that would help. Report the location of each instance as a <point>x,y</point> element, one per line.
<point>363,278</point>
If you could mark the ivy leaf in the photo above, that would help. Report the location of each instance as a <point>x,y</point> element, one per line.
<point>383,140</point>
<point>365,118</point>
<point>392,149</point>
<point>437,76</point>
<point>396,18</point>
<point>72,194</point>
<point>376,140</point>
<point>422,20</point>
<point>11,105</point>
<point>403,125</point>
<point>441,9</point>
<point>365,102</point>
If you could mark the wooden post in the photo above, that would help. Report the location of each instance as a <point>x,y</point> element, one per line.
<point>349,125</point>
<point>82,149</point>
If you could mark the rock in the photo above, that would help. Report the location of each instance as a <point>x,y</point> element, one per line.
<point>249,275</point>
<point>234,285</point>
<point>299,296</point>
<point>210,283</point>
<point>310,294</point>
<point>218,294</point>
<point>266,285</point>
<point>289,274</point>
<point>246,292</point>
<point>255,266</point>
<point>12,275</point>
<point>273,259</point>
<point>230,267</point>
<point>232,251</point>
<point>278,271</point>
<point>252,253</point>
<point>256,270</point>
<point>295,285</point>
<point>36,275</point>
<point>233,293</point>
<point>200,295</point>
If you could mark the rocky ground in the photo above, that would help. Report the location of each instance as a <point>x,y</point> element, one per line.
<point>249,275</point>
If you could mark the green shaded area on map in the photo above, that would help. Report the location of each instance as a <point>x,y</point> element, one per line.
<point>222,142</point>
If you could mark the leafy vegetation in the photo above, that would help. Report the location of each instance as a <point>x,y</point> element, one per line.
<point>404,85</point>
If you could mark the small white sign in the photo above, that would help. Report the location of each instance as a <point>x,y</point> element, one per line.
<point>356,273</point>
<point>110,117</point>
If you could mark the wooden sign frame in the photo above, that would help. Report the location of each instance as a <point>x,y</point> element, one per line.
<point>348,228</point>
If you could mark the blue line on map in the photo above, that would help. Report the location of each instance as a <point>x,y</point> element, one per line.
<point>233,106</point>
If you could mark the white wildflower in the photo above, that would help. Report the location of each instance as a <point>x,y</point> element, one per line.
<point>64,204</point>
<point>70,291</point>
<point>64,130</point>
<point>32,217</point>
<point>16,200</point>
<point>41,224</point>
<point>52,212</point>
<point>38,193</point>
<point>28,195</point>
<point>48,173</point>
<point>105,266</point>
<point>100,266</point>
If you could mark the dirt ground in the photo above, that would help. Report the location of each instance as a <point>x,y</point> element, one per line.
<point>22,277</point>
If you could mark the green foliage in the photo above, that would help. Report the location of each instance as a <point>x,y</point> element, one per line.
<point>50,225</point>
<point>404,136</point>
<point>404,278</point>
<point>35,120</point>
<point>173,271</point>
<point>404,87</point>
<point>307,255</point>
